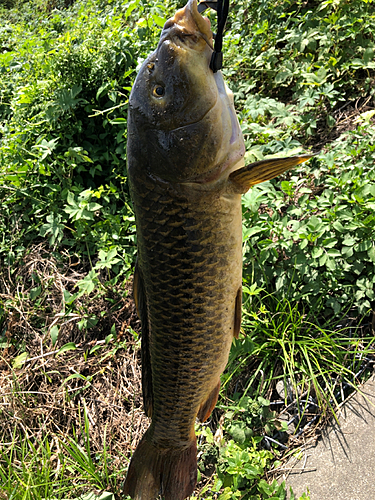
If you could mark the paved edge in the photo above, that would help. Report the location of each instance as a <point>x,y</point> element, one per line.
<point>341,465</point>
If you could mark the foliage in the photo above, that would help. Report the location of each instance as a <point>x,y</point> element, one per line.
<point>65,467</point>
<point>303,76</point>
<point>64,87</point>
<point>241,462</point>
<point>298,349</point>
<point>255,414</point>
<point>65,80</point>
<point>314,237</point>
<point>302,60</point>
<point>56,468</point>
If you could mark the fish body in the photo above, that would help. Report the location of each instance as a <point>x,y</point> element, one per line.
<point>186,173</point>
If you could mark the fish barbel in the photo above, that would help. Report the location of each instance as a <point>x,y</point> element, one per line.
<point>186,172</point>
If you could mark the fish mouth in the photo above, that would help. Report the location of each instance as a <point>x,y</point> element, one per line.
<point>189,38</point>
<point>188,26</point>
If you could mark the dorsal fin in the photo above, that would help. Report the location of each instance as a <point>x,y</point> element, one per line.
<point>141,305</point>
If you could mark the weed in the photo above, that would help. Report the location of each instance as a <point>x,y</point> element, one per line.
<point>302,75</point>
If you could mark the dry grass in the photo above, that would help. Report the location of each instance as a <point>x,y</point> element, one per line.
<point>47,394</point>
<point>50,393</point>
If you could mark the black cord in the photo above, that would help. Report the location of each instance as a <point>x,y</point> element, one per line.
<point>222,14</point>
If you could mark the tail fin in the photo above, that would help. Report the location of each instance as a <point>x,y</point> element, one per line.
<point>169,472</point>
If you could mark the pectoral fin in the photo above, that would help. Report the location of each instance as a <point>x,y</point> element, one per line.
<point>141,305</point>
<point>246,177</point>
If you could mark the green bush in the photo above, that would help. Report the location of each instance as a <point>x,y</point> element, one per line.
<point>312,56</point>
<point>312,236</point>
<point>65,81</point>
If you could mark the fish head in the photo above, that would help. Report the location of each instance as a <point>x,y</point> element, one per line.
<point>182,125</point>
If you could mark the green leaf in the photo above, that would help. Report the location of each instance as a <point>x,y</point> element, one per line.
<point>159,21</point>
<point>371,254</point>
<point>54,332</point>
<point>323,259</point>
<point>95,348</point>
<point>132,5</point>
<point>316,252</point>
<point>35,292</point>
<point>331,122</point>
<point>87,285</point>
<point>68,297</point>
<point>53,227</point>
<point>107,259</point>
<point>252,290</point>
<point>110,337</point>
<point>314,223</point>
<point>119,121</point>
<point>331,264</point>
<point>264,401</point>
<point>347,251</point>
<point>20,360</point>
<point>46,147</point>
<point>332,252</point>
<point>75,376</point>
<point>282,76</point>
<point>363,246</point>
<point>70,199</point>
<point>329,242</point>
<point>238,433</point>
<point>93,207</point>
<point>349,241</point>
<point>368,56</point>
<point>338,226</point>
<point>70,346</point>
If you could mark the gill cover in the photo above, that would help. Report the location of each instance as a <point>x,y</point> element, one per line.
<point>182,125</point>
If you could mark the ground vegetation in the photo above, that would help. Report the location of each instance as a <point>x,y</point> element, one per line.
<point>303,75</point>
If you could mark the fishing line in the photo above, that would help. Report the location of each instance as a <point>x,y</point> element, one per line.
<point>222,8</point>
<point>217,55</point>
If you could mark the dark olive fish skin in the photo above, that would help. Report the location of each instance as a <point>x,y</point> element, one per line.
<point>186,176</point>
<point>191,266</point>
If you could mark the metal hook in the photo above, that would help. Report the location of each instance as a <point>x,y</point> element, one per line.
<point>207,5</point>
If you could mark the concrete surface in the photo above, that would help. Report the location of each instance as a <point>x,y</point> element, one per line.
<point>341,466</point>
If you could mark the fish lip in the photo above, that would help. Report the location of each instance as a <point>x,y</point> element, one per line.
<point>182,27</point>
<point>177,31</point>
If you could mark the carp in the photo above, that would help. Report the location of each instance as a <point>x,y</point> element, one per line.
<point>186,174</point>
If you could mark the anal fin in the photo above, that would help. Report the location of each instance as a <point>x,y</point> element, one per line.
<point>208,405</point>
<point>246,177</point>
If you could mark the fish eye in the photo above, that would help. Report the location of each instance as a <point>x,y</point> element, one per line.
<point>158,91</point>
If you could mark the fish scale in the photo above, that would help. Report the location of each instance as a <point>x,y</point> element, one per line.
<point>186,172</point>
<point>187,259</point>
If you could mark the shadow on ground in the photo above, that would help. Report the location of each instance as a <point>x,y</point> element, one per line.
<point>341,465</point>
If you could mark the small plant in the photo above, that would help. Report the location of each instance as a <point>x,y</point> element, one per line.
<point>302,75</point>
<point>240,463</point>
<point>249,417</point>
